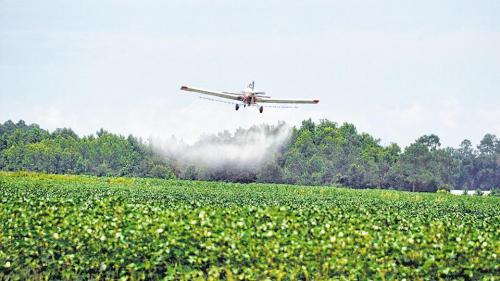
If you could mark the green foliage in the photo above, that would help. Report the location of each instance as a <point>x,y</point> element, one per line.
<point>191,173</point>
<point>321,153</point>
<point>162,172</point>
<point>326,153</point>
<point>478,192</point>
<point>495,191</point>
<point>83,227</point>
<point>329,154</point>
<point>445,187</point>
<point>24,147</point>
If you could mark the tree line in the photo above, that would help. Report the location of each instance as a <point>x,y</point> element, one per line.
<point>28,147</point>
<point>321,153</point>
<point>327,153</point>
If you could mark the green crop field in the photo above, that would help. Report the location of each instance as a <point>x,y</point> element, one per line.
<point>80,227</point>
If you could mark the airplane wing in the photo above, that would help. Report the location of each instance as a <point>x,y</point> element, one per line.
<point>225,95</point>
<point>271,100</point>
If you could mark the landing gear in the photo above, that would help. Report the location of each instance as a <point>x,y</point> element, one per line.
<point>237,107</point>
<point>261,109</point>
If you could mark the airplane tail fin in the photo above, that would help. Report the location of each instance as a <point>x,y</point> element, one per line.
<point>251,85</point>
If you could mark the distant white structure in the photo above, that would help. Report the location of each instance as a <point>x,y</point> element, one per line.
<point>469,192</point>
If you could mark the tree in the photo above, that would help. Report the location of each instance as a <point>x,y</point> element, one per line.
<point>467,173</point>
<point>27,147</point>
<point>161,171</point>
<point>432,141</point>
<point>414,168</point>
<point>315,153</point>
<point>270,172</point>
<point>487,162</point>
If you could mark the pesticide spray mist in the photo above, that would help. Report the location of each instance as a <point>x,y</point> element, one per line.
<point>236,156</point>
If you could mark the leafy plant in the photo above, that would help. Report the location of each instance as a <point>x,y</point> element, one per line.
<point>495,191</point>
<point>479,192</point>
<point>445,187</point>
<point>84,227</point>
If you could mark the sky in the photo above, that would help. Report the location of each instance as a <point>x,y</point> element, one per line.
<point>395,69</point>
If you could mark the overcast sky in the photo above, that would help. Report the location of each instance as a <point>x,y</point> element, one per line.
<point>395,69</point>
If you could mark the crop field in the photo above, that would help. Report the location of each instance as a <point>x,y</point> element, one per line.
<point>81,227</point>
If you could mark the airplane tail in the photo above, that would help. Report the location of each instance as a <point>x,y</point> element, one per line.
<point>251,85</point>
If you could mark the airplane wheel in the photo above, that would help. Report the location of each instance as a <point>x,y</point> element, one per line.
<point>261,109</point>
<point>237,107</point>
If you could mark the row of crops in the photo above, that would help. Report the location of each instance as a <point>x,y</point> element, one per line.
<point>79,227</point>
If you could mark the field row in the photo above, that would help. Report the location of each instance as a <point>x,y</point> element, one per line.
<point>66,227</point>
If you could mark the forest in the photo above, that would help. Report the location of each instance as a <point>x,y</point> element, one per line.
<point>323,153</point>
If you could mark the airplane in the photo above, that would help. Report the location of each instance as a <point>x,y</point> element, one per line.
<point>247,97</point>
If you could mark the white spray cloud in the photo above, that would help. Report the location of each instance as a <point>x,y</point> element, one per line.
<point>246,148</point>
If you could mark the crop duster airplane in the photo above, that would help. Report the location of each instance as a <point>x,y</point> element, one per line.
<point>247,97</point>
